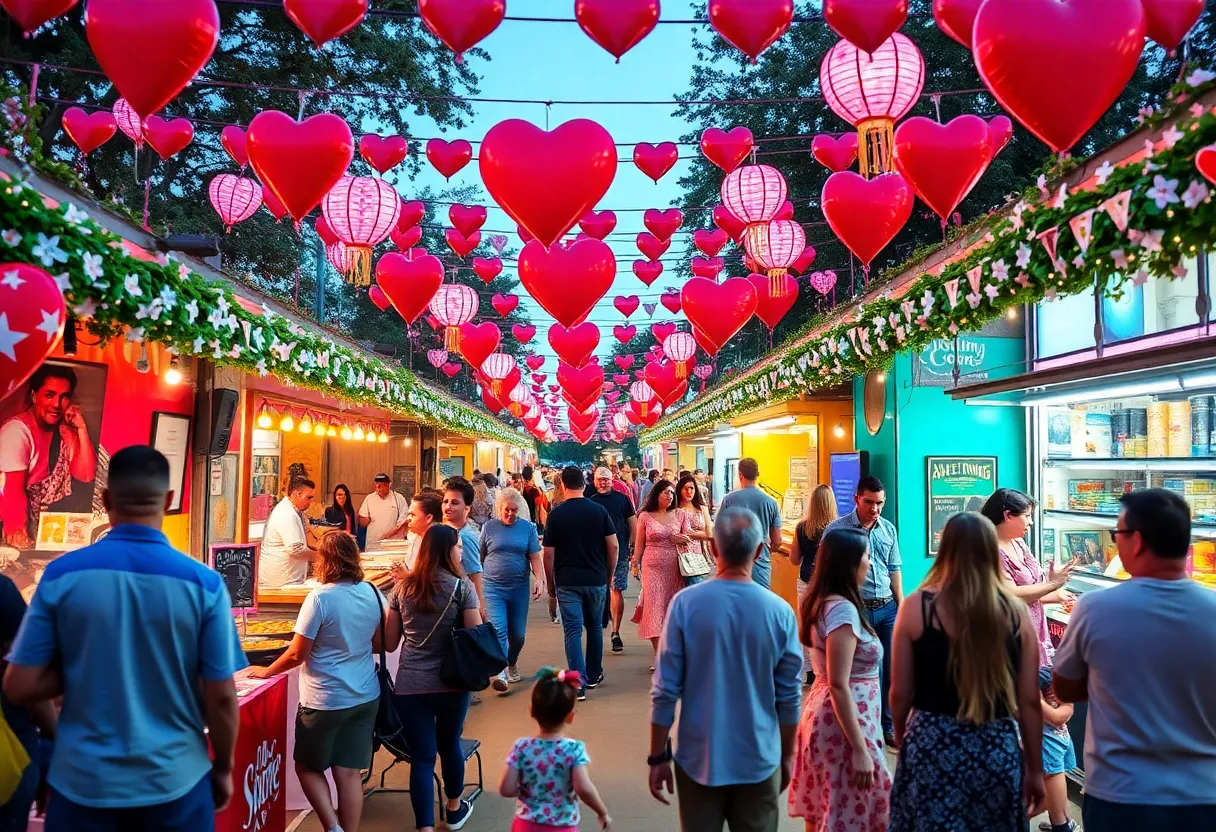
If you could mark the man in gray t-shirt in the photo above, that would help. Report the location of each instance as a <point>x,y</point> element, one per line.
<point>750,497</point>
<point>1143,654</point>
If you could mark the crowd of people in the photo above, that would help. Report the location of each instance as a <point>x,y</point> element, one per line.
<point>959,677</point>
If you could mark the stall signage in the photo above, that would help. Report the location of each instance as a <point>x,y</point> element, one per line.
<point>845,473</point>
<point>238,566</point>
<point>954,484</point>
<point>259,793</point>
<point>935,364</point>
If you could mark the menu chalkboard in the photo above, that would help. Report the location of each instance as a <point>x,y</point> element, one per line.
<point>238,566</point>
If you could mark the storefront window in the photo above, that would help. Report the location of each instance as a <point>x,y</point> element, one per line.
<point>1065,325</point>
<point>1153,307</point>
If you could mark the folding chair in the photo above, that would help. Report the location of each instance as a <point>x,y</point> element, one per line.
<point>397,747</point>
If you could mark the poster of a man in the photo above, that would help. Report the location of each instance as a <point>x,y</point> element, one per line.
<point>48,458</point>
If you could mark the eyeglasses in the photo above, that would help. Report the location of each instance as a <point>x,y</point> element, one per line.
<point>1114,533</point>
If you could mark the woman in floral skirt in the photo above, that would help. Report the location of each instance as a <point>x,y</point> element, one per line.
<point>840,779</point>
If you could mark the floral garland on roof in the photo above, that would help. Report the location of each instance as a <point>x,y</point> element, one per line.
<point>114,292</point>
<point>1141,219</point>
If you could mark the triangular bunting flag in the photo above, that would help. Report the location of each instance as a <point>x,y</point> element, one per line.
<point>974,276</point>
<point>1049,238</point>
<point>1082,227</point>
<point>951,287</point>
<point>1117,207</point>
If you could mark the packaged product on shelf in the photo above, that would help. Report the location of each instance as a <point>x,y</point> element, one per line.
<point>1136,445</point>
<point>1091,432</point>
<point>1201,425</point>
<point>1178,441</point>
<point>1059,432</point>
<point>1158,429</point>
<point>1119,424</point>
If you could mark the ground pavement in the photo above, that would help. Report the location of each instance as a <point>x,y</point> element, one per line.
<point>614,722</point>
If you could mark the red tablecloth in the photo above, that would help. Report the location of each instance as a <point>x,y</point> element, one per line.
<point>259,799</point>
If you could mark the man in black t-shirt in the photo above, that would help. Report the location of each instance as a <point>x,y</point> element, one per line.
<point>620,508</point>
<point>581,551</point>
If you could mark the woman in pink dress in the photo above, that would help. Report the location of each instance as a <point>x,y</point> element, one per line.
<point>840,780</point>
<point>700,530</point>
<point>661,525</point>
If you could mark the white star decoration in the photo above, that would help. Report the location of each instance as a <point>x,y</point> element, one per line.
<point>12,279</point>
<point>9,339</point>
<point>1104,172</point>
<point>49,325</point>
<point>63,282</point>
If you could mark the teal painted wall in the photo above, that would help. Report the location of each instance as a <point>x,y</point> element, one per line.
<point>925,421</point>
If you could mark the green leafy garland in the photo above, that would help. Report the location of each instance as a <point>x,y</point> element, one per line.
<point>163,301</point>
<point>1170,216</point>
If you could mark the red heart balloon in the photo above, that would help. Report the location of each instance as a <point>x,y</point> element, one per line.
<point>467,219</point>
<point>709,267</point>
<point>703,341</point>
<point>729,223</point>
<point>232,139</point>
<point>651,246</point>
<point>583,422</point>
<point>582,385</point>
<point>667,387</point>
<point>598,225</point>
<point>956,18</point>
<point>719,310</point>
<point>299,161</point>
<point>276,208</point>
<point>547,181</point>
<point>32,317</point>
<point>411,214</point>
<point>710,243</point>
<point>623,362</point>
<point>406,240</point>
<point>726,150</point>
<point>865,23</point>
<point>1000,133</point>
<point>835,154</point>
<point>30,14</point>
<point>409,284</point>
<point>151,49</point>
<point>451,369</point>
<point>89,131</point>
<point>942,162</point>
<point>804,260</point>
<point>523,334</point>
<point>625,334</point>
<point>663,223</point>
<point>535,362</point>
<point>168,138</point>
<point>383,153</point>
<point>567,282</point>
<point>751,25</point>
<point>626,304</point>
<point>1169,21</point>
<point>1205,162</point>
<point>479,341</point>
<point>617,25</point>
<point>376,295</point>
<point>461,24</point>
<point>671,301</point>
<point>1057,65</point>
<point>504,304</point>
<point>866,214</point>
<point>647,271</point>
<point>459,243</point>
<point>660,331</point>
<point>324,20</point>
<point>772,309</point>
<point>574,345</point>
<point>449,158</point>
<point>656,160</point>
<point>487,270</point>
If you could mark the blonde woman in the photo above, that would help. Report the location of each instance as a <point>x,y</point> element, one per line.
<point>510,549</point>
<point>820,510</point>
<point>965,678</point>
<point>482,507</point>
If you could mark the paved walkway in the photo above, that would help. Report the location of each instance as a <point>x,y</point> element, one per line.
<point>614,722</point>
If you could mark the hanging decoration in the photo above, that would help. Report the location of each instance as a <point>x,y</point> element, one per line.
<point>362,211</point>
<point>624,334</point>
<point>383,153</point>
<point>168,138</point>
<point>454,304</point>
<point>956,18</point>
<point>467,219</point>
<point>574,345</point>
<point>835,154</point>
<point>31,14</point>
<point>617,25</point>
<point>32,317</point>
<point>325,20</point>
<point>772,306</point>
<point>232,139</point>
<point>487,269</point>
<point>865,23</point>
<point>449,158</point>
<point>823,282</point>
<point>651,246</point>
<point>523,332</point>
<point>1000,133</point>
<point>405,240</point>
<point>410,284</point>
<point>478,342</point>
<point>754,194</point>
<point>567,282</point>
<point>581,386</point>
<point>89,131</point>
<point>641,393</point>
<point>380,300</point>
<point>626,304</point>
<point>729,223</point>
<point>663,223</point>
<point>872,92</point>
<point>943,162</point>
<point>234,198</point>
<point>300,162</point>
<point>726,150</point>
<point>681,348</point>
<point>866,214</point>
<point>129,122</point>
<point>656,160</point>
<point>463,246</point>
<point>804,260</point>
<point>718,310</point>
<point>647,271</point>
<point>497,367</point>
<point>462,24</point>
<point>504,305</point>
<point>671,300</point>
<point>776,247</point>
<point>751,26</point>
<point>710,243</point>
<point>598,225</point>
<point>1169,21</point>
<point>276,208</point>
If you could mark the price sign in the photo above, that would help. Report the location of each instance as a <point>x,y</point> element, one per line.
<point>238,566</point>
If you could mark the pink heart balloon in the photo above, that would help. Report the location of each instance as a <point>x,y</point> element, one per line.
<point>662,224</point>
<point>467,219</point>
<point>943,162</point>
<point>625,334</point>
<point>574,345</point>
<point>505,304</point>
<point>437,358</point>
<point>451,369</point>
<point>671,300</point>
<point>383,153</point>
<point>835,154</point>
<point>487,270</point>
<point>726,150</point>
<point>647,271</point>
<point>710,243</point>
<point>300,162</point>
<point>623,362</point>
<point>656,160</point>
<point>598,225</point>
<point>823,282</point>
<point>718,310</point>
<point>449,158</point>
<point>463,246</point>
<point>626,304</point>
<point>662,330</point>
<point>376,295</point>
<point>535,362</point>
<point>567,282</point>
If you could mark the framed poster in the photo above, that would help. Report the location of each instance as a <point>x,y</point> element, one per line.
<point>954,484</point>
<point>238,566</point>
<point>405,480</point>
<point>171,436</point>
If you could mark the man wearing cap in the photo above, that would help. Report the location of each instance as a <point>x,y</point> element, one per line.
<point>384,512</point>
<point>621,509</point>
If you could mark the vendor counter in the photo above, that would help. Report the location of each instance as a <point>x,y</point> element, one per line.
<point>784,580</point>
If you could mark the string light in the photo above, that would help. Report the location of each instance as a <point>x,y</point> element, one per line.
<point>287,424</point>
<point>265,420</point>
<point>358,434</point>
<point>346,432</point>
<point>173,375</point>
<point>306,423</point>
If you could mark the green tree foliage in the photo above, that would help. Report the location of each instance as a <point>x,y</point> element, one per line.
<point>790,69</point>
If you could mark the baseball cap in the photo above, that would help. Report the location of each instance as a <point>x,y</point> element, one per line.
<point>381,477</point>
<point>602,472</point>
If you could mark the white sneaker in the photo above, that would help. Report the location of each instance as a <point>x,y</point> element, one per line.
<point>499,682</point>
<point>513,675</point>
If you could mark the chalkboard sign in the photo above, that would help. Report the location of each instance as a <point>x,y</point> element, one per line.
<point>238,566</point>
<point>405,480</point>
<point>955,484</point>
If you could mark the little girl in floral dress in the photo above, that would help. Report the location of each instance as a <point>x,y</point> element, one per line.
<point>548,773</point>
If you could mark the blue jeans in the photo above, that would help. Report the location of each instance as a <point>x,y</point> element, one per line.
<point>432,724</point>
<point>193,812</point>
<point>507,607</point>
<point>762,570</point>
<point>1103,816</point>
<point>582,608</point>
<point>883,622</point>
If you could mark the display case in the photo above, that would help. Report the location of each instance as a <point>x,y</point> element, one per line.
<point>265,460</point>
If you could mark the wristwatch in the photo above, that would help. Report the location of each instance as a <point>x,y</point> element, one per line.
<point>659,760</point>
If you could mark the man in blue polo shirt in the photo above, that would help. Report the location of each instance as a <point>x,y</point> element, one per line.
<point>883,589</point>
<point>140,642</point>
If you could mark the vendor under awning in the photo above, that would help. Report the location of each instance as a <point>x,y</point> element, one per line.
<point>285,552</point>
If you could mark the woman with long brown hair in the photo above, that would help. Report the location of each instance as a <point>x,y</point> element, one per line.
<point>661,526</point>
<point>840,778</point>
<point>820,510</point>
<point>425,606</point>
<point>335,635</point>
<point>700,528</point>
<point>965,677</point>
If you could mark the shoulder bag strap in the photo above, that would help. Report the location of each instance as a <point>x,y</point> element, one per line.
<point>441,615</point>
<point>383,614</point>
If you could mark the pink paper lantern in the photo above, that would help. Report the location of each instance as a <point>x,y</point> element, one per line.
<point>620,422</point>
<point>680,347</point>
<point>496,368</point>
<point>776,247</point>
<point>454,304</point>
<point>362,211</point>
<point>754,193</point>
<point>338,256</point>
<point>521,398</point>
<point>234,198</point>
<point>129,122</point>
<point>872,92</point>
<point>643,394</point>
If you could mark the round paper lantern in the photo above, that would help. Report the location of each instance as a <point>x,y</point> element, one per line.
<point>496,368</point>
<point>234,198</point>
<point>872,92</point>
<point>454,304</point>
<point>776,246</point>
<point>641,393</point>
<point>362,211</point>
<point>620,422</point>
<point>521,397</point>
<point>754,193</point>
<point>680,347</point>
<point>129,122</point>
<point>338,256</point>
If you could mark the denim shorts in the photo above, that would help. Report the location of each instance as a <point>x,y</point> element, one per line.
<point>620,576</point>
<point>1058,754</point>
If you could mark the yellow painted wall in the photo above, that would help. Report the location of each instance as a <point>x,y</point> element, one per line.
<point>465,449</point>
<point>688,457</point>
<point>177,529</point>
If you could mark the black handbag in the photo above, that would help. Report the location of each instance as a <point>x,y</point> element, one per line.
<point>388,722</point>
<point>472,655</point>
